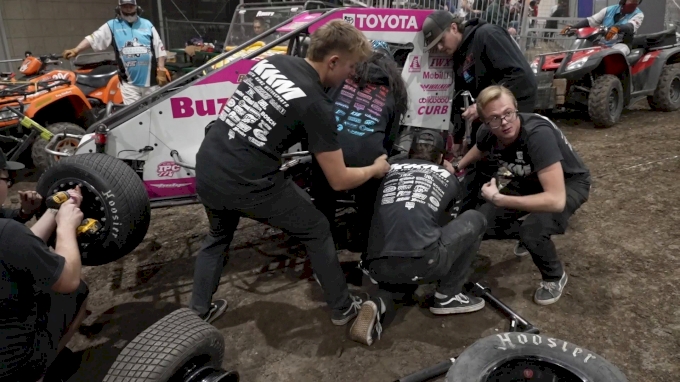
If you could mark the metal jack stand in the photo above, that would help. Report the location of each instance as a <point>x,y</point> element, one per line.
<point>517,324</point>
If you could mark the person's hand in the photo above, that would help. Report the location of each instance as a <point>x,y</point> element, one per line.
<point>565,30</point>
<point>162,76</point>
<point>76,195</point>
<point>490,191</point>
<point>449,167</point>
<point>69,53</point>
<point>611,33</point>
<point>30,202</point>
<point>470,113</point>
<point>381,165</point>
<point>69,215</point>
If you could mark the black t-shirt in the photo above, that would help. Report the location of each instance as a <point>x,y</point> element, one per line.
<point>27,268</point>
<point>280,102</point>
<point>412,205</point>
<point>539,145</point>
<point>366,119</point>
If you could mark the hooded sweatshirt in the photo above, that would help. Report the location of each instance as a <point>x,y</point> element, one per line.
<point>489,56</point>
<point>366,119</point>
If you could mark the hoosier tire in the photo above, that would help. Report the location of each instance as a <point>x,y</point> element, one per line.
<point>166,347</point>
<point>605,102</point>
<point>499,354</point>
<point>43,160</point>
<point>113,194</point>
<point>667,94</point>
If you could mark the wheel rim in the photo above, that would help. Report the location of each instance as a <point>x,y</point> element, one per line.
<point>68,145</point>
<point>534,369</point>
<point>613,102</point>
<point>675,90</point>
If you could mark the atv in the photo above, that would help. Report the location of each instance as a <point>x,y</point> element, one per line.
<point>603,81</point>
<point>64,101</point>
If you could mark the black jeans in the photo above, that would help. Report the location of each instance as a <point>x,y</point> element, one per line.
<point>536,230</point>
<point>288,208</point>
<point>447,264</point>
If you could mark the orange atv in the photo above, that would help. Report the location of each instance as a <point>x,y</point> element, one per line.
<point>62,101</point>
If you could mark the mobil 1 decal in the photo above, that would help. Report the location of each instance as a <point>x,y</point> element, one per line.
<point>357,111</point>
<point>252,112</point>
<point>430,81</point>
<point>411,183</point>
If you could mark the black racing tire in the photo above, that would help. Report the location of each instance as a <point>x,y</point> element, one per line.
<point>43,160</point>
<point>484,358</point>
<point>113,194</point>
<point>605,101</point>
<point>667,94</point>
<point>162,350</point>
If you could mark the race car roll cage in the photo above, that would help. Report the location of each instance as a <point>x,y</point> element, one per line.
<point>517,322</point>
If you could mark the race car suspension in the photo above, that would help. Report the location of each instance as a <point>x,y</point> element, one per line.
<point>517,324</point>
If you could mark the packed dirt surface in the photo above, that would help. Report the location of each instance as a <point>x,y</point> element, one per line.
<point>622,254</point>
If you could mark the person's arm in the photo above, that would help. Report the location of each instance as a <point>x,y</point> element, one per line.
<point>502,54</point>
<point>15,214</point>
<point>46,225</point>
<point>159,48</point>
<point>594,20</point>
<point>391,133</point>
<point>323,143</point>
<point>632,25</point>
<point>99,40</point>
<point>482,145</point>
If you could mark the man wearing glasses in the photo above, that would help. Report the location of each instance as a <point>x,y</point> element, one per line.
<point>550,182</point>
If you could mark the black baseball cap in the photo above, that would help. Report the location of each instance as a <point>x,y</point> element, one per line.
<point>428,137</point>
<point>435,25</point>
<point>8,165</point>
<point>127,2</point>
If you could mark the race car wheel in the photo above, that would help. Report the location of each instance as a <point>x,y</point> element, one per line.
<point>522,356</point>
<point>113,194</point>
<point>43,160</point>
<point>667,94</point>
<point>605,102</point>
<point>179,347</point>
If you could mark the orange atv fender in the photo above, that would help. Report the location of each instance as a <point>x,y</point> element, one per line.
<point>110,92</point>
<point>71,93</point>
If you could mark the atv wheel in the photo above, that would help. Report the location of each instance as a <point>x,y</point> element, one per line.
<point>667,94</point>
<point>113,194</point>
<point>605,102</point>
<point>523,356</point>
<point>179,347</point>
<point>43,160</point>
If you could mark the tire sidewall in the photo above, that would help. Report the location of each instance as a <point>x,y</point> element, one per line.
<point>483,356</point>
<point>41,159</point>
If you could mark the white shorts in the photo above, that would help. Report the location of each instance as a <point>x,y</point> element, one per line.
<point>132,93</point>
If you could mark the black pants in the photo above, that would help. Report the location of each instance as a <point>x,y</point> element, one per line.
<point>288,208</point>
<point>447,264</point>
<point>325,199</point>
<point>536,230</point>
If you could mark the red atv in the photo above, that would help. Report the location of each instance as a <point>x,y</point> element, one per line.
<point>603,80</point>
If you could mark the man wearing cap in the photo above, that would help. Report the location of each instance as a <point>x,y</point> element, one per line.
<point>413,239</point>
<point>138,48</point>
<point>483,55</point>
<point>42,298</point>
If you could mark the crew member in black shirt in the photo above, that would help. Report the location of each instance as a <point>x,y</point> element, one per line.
<point>413,239</point>
<point>550,182</point>
<point>42,298</point>
<point>483,55</point>
<point>368,111</point>
<point>280,102</point>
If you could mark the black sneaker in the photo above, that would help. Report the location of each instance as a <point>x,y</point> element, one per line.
<point>367,325</point>
<point>343,316</point>
<point>520,250</point>
<point>217,308</point>
<point>366,272</point>
<point>550,291</point>
<point>459,303</point>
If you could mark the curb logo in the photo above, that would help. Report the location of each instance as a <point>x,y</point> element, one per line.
<point>349,18</point>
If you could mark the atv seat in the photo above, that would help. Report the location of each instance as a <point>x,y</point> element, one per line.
<point>654,40</point>
<point>98,77</point>
<point>634,56</point>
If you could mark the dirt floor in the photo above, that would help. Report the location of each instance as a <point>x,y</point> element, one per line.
<point>622,253</point>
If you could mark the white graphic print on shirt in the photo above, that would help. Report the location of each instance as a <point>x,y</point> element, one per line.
<point>415,183</point>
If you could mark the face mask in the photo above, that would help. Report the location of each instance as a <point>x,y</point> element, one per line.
<point>628,8</point>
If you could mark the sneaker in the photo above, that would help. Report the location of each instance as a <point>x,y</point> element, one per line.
<point>367,325</point>
<point>366,272</point>
<point>521,250</point>
<point>217,308</point>
<point>343,316</point>
<point>550,291</point>
<point>459,303</point>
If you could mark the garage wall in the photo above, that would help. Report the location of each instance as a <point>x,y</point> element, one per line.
<point>50,26</point>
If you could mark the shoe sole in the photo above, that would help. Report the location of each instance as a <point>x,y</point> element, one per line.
<point>217,314</point>
<point>362,328</point>
<point>462,309</point>
<point>552,300</point>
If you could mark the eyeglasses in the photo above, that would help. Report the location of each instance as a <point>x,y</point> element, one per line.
<point>495,122</point>
<point>7,180</point>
